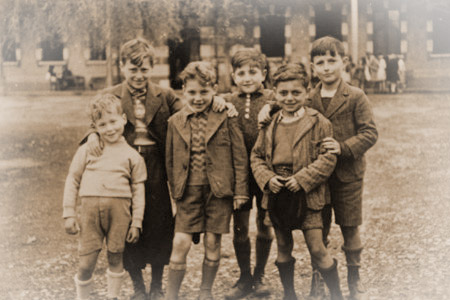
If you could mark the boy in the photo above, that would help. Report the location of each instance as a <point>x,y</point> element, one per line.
<point>207,167</point>
<point>108,185</point>
<point>289,162</point>
<point>249,73</point>
<point>350,113</point>
<point>148,107</point>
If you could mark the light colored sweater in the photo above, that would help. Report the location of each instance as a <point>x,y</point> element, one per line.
<point>116,173</point>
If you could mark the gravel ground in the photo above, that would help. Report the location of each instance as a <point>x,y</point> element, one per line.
<point>406,205</point>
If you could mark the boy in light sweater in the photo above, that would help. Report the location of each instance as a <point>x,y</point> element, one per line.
<point>108,185</point>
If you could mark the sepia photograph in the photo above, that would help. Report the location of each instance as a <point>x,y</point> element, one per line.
<point>225,149</point>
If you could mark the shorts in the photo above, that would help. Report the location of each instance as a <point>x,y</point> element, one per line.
<point>200,211</point>
<point>346,199</point>
<point>288,211</point>
<point>103,217</point>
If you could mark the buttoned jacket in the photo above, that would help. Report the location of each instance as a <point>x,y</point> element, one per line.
<point>226,155</point>
<point>311,165</point>
<point>354,128</point>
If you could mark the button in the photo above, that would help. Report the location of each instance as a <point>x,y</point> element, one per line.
<point>247,116</point>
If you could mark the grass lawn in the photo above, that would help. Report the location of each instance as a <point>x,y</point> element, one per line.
<point>406,228</point>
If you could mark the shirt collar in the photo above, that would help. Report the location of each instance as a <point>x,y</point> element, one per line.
<point>258,92</point>
<point>297,115</point>
<point>189,112</point>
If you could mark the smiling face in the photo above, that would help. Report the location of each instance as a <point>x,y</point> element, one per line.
<point>328,68</point>
<point>291,96</point>
<point>248,78</point>
<point>137,76</point>
<point>198,96</point>
<point>110,126</point>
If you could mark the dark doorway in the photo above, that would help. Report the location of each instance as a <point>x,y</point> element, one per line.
<point>181,52</point>
<point>386,31</point>
<point>272,38</point>
<point>328,20</point>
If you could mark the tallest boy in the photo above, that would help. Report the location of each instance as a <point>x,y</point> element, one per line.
<point>148,107</point>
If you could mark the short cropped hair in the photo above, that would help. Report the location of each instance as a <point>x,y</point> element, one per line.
<point>201,71</point>
<point>327,44</point>
<point>249,56</point>
<point>288,72</point>
<point>104,103</point>
<point>136,50</point>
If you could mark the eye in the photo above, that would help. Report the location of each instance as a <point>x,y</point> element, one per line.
<point>144,70</point>
<point>241,73</point>
<point>283,93</point>
<point>204,92</point>
<point>296,93</point>
<point>192,93</point>
<point>252,72</point>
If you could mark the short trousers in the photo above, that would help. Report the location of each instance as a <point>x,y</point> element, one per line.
<point>103,217</point>
<point>200,211</point>
<point>285,213</point>
<point>346,199</point>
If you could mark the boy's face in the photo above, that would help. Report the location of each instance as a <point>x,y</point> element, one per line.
<point>137,76</point>
<point>248,78</point>
<point>291,95</point>
<point>328,68</point>
<point>198,96</point>
<point>110,126</point>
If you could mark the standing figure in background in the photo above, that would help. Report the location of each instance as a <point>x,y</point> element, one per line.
<point>401,74</point>
<point>392,77</point>
<point>381,76</point>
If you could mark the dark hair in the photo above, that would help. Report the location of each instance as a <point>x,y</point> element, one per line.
<point>249,56</point>
<point>327,44</point>
<point>136,50</point>
<point>202,71</point>
<point>288,72</point>
<point>104,103</point>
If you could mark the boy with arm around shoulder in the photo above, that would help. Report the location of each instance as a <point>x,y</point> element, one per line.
<point>249,72</point>
<point>147,106</point>
<point>108,186</point>
<point>354,132</point>
<point>289,162</point>
<point>207,168</point>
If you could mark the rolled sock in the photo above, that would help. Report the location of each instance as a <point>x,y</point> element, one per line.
<point>114,283</point>
<point>83,287</point>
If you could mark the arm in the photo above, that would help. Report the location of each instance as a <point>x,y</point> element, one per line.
<point>366,131</point>
<point>321,168</point>
<point>261,170</point>
<point>168,154</point>
<point>175,103</point>
<point>137,207</point>
<point>240,163</point>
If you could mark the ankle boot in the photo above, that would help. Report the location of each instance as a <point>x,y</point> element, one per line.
<point>355,286</point>
<point>209,271</point>
<point>286,270</point>
<point>317,291</point>
<point>262,254</point>
<point>175,277</point>
<point>331,278</point>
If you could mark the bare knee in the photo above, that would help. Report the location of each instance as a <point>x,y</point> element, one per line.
<point>212,243</point>
<point>115,262</point>
<point>181,246</point>
<point>264,232</point>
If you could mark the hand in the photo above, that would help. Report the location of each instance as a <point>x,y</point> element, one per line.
<point>71,225</point>
<point>264,117</point>
<point>219,104</point>
<point>293,185</point>
<point>275,184</point>
<point>331,145</point>
<point>94,145</point>
<point>238,202</point>
<point>133,235</point>
<point>232,111</point>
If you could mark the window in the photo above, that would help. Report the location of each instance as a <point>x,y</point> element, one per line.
<point>97,49</point>
<point>9,50</point>
<point>52,48</point>
<point>441,23</point>
<point>272,38</point>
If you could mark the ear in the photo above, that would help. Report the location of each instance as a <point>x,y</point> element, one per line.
<point>124,116</point>
<point>311,65</point>
<point>264,73</point>
<point>233,75</point>
<point>345,59</point>
<point>215,88</point>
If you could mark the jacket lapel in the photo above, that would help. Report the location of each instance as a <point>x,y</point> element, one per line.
<point>182,126</point>
<point>152,102</point>
<point>214,121</point>
<point>270,131</point>
<point>338,100</point>
<point>316,101</point>
<point>127,105</point>
<point>305,125</point>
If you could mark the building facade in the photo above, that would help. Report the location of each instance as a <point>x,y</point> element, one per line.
<point>283,31</point>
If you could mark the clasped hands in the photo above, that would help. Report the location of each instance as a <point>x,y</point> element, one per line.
<point>277,182</point>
